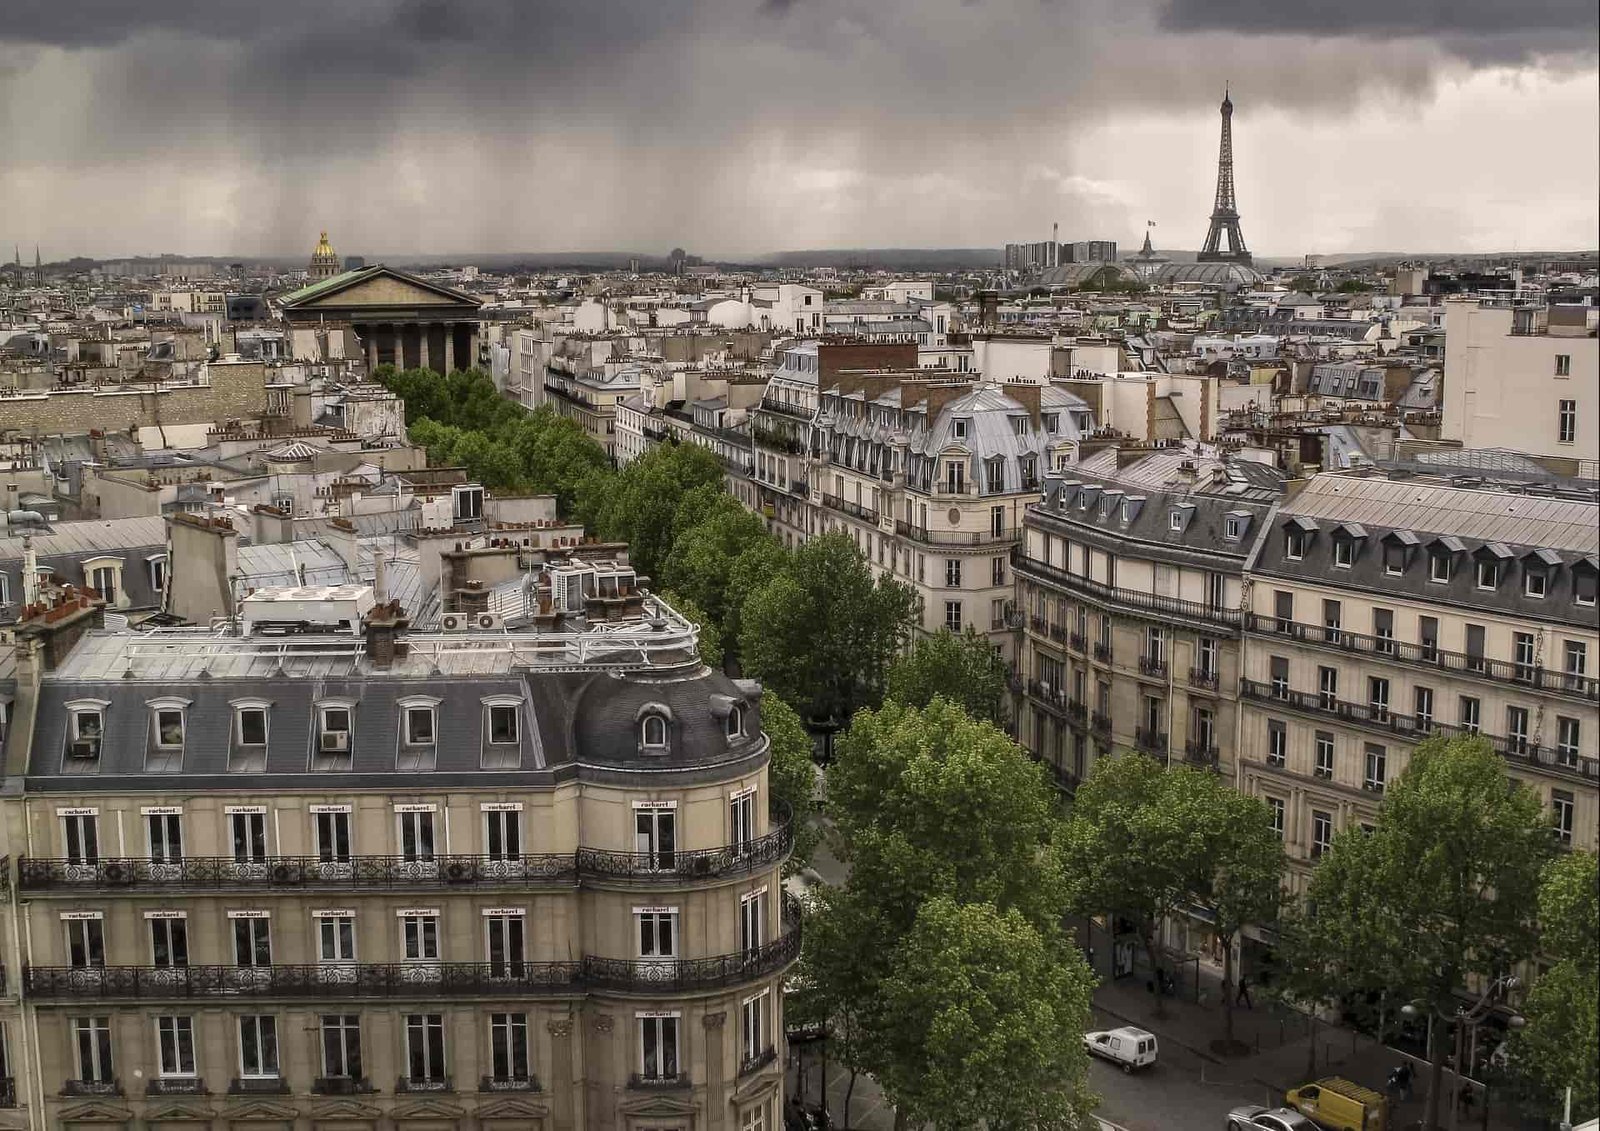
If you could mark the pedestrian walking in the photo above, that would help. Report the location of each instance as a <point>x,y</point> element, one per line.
<point>1244,993</point>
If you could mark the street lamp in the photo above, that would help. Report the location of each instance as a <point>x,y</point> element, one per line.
<point>1468,1018</point>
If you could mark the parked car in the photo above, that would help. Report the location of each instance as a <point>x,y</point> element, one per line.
<point>1340,1104</point>
<point>1254,1117</point>
<point>1129,1047</point>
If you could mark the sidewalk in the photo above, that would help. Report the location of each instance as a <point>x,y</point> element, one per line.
<point>1280,1044</point>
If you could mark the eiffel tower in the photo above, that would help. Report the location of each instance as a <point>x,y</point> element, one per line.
<point>1225,213</point>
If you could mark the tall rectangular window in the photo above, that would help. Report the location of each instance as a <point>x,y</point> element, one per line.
<point>252,941</point>
<point>416,836</point>
<point>169,943</point>
<point>92,1037</point>
<point>1275,807</point>
<point>658,1047</point>
<point>658,931</point>
<point>425,1061</point>
<point>742,820</point>
<point>333,837</point>
<point>1324,754</point>
<point>1563,365</point>
<point>952,573</point>
<point>502,834</point>
<point>336,938</point>
<point>1567,422</point>
<point>1277,742</point>
<point>1561,806</point>
<point>997,571</point>
<point>655,838</point>
<point>175,1046</point>
<point>1321,833</point>
<point>86,942</point>
<point>1475,644</point>
<point>1517,729</point>
<point>1332,615</point>
<point>166,837</point>
<point>341,1046</point>
<point>81,835</point>
<point>1378,698</point>
<point>1471,714</point>
<point>752,921</point>
<point>1428,638</point>
<point>249,837</point>
<point>258,1047</point>
<point>952,615</point>
<point>1328,688</point>
<point>1383,631</point>
<point>753,1026</point>
<point>505,939</point>
<point>1208,656</point>
<point>1278,670</point>
<point>1567,732</point>
<point>420,937</point>
<point>508,1047</point>
<point>1377,768</point>
<point>1423,700</point>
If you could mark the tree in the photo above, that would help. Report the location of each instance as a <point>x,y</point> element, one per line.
<point>1128,847</point>
<point>701,561</point>
<point>822,631</point>
<point>966,669</point>
<point>1560,1047</point>
<point>1446,887</point>
<point>841,945</point>
<point>791,774</point>
<point>640,505</point>
<point>985,1015</point>
<point>709,643</point>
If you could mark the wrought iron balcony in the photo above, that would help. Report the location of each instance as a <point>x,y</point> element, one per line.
<point>1052,697</point>
<point>1075,641</point>
<point>757,1062</point>
<point>1151,741</point>
<point>1100,723</point>
<point>1200,677</point>
<point>1058,633</point>
<point>426,1084</point>
<point>311,872</point>
<point>421,979</point>
<point>176,1086</point>
<point>1109,596</point>
<point>660,1082</point>
<point>8,1091</point>
<point>258,1086</point>
<point>1153,666</point>
<point>956,537</point>
<point>844,506</point>
<point>509,1084</point>
<point>91,1088</point>
<point>1102,652</point>
<point>342,1086</point>
<point>1039,625</point>
<point>1430,655</point>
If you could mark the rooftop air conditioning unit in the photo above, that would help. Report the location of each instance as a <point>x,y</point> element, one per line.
<point>86,748</point>
<point>486,621</point>
<point>455,622</point>
<point>335,741</point>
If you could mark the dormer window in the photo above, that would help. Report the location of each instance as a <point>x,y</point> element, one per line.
<point>958,429</point>
<point>1585,583</point>
<point>1175,520</point>
<point>1233,528</point>
<point>1344,553</point>
<point>1488,575</point>
<point>87,730</point>
<point>335,727</point>
<point>653,733</point>
<point>1535,582</point>
<point>1394,560</point>
<point>1294,544</point>
<point>419,726</point>
<point>169,728</point>
<point>502,725</point>
<point>157,564</point>
<point>736,722</point>
<point>1439,567</point>
<point>250,726</point>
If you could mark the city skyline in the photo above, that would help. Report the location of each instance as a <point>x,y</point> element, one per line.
<point>428,127</point>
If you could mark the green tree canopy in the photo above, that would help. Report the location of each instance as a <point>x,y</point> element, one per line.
<point>967,670</point>
<point>1445,884</point>
<point>791,774</point>
<point>823,631</point>
<point>985,1017</point>
<point>702,559</point>
<point>640,504</point>
<point>1560,1047</point>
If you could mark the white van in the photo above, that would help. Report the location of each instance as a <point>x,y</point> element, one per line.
<point>1131,1048</point>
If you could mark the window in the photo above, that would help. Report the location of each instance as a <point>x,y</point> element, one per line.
<point>168,722</point>
<point>1277,743</point>
<point>86,940</point>
<point>1488,574</point>
<point>1321,833</point>
<point>1204,728</point>
<point>502,834</point>
<point>1232,528</point>
<point>658,1047</point>
<point>1324,754</point>
<point>994,475</point>
<point>425,1047</point>
<point>1563,365</point>
<point>419,726</point>
<point>1561,810</point>
<point>1517,729</point>
<point>952,573</point>
<point>341,1046</point>
<point>958,430</point>
<point>1283,610</point>
<point>502,725</point>
<point>1470,714</point>
<point>997,570</point>
<point>1394,559</point>
<point>1439,567</point>
<point>1567,732</point>
<point>1275,808</point>
<point>165,832</point>
<point>752,920</point>
<point>1344,552</point>
<point>92,1036</point>
<point>1332,613</point>
<point>952,615</point>
<point>1575,656</point>
<point>1566,422</point>
<point>249,832</point>
<point>258,1047</point>
<point>1155,643</point>
<point>252,939</point>
<point>336,938</point>
<point>1585,583</point>
<point>1208,656</point>
<point>655,837</point>
<point>251,726</point>
<point>1378,698</point>
<point>81,837</point>
<point>735,721</point>
<point>742,820</point>
<point>1377,768</point>
<point>997,616</point>
<point>1428,638</point>
<point>419,936</point>
<point>1383,631</point>
<point>1328,688</point>
<point>1475,643</point>
<point>103,579</point>
<point>169,940</point>
<point>508,1046</point>
<point>1535,581</point>
<point>1522,656</point>
<point>175,1046</point>
<point>1174,520</point>
<point>753,1039</point>
<point>1294,544</point>
<point>333,835</point>
<point>1216,591</point>
<point>1423,698</point>
<point>88,728</point>
<point>658,931</point>
<point>505,940</point>
<point>653,732</point>
<point>334,736</point>
<point>158,573</point>
<point>955,478</point>
<point>1279,668</point>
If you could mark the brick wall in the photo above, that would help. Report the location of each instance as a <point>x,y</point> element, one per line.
<point>237,391</point>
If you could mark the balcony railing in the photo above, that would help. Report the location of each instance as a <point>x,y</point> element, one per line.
<point>8,1091</point>
<point>409,980</point>
<point>425,1084</point>
<point>342,1086</point>
<point>1200,753</point>
<point>91,1088</point>
<point>258,1086</point>
<point>175,1086</point>
<point>1075,641</point>
<point>755,1063</point>
<point>1102,652</point>
<point>1130,599</point>
<point>1151,741</point>
<point>844,506</point>
<point>955,537</point>
<point>1199,677</point>
<point>1099,723</point>
<point>1429,655</point>
<point>292,872</point>
<point>1153,666</point>
<point>1408,728</point>
<point>509,1084</point>
<point>660,1082</point>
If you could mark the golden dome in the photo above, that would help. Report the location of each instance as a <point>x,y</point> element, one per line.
<point>324,248</point>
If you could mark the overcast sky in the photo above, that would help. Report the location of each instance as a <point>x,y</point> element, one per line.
<point>743,126</point>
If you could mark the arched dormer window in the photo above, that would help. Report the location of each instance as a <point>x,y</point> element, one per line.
<point>655,731</point>
<point>736,721</point>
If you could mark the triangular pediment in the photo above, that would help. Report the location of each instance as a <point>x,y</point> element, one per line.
<point>345,1109</point>
<point>177,1111</point>
<point>513,1107</point>
<point>261,1109</point>
<point>428,1108</point>
<point>670,1106</point>
<point>94,1111</point>
<point>377,286</point>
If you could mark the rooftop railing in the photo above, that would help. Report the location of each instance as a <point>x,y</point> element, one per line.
<point>1133,600</point>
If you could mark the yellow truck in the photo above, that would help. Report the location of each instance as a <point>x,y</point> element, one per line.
<point>1340,1104</point>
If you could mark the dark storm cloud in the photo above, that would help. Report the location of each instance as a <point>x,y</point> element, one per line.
<point>1482,31</point>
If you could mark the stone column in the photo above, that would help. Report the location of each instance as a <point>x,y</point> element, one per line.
<point>560,1082</point>
<point>369,337</point>
<point>422,345</point>
<point>449,347</point>
<point>472,346</point>
<point>602,1063</point>
<point>716,1099</point>
<point>399,346</point>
